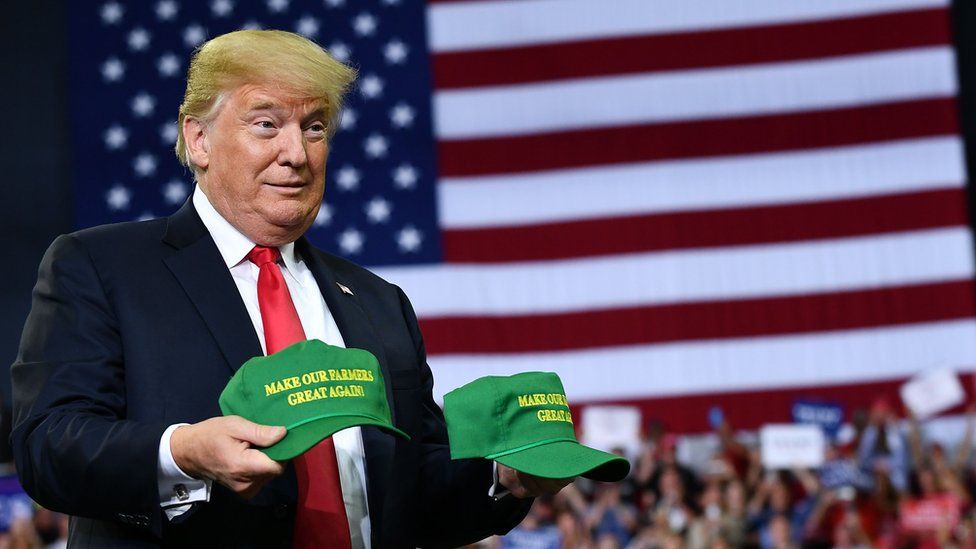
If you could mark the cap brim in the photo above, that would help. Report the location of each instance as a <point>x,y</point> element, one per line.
<point>299,439</point>
<point>565,459</point>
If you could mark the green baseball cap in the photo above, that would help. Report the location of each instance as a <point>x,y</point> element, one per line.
<point>313,389</point>
<point>523,421</point>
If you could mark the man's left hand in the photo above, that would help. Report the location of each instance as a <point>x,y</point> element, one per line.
<point>524,485</point>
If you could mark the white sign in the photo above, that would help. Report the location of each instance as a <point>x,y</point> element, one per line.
<point>784,446</point>
<point>931,392</point>
<point>609,427</point>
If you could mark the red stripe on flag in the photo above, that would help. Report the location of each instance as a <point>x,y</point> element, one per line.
<point>701,320</point>
<point>708,228</point>
<point>752,409</point>
<point>703,138</point>
<point>663,52</point>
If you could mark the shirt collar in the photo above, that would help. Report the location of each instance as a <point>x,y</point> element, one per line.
<point>231,243</point>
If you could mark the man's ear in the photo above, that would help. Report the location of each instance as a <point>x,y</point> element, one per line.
<point>195,137</point>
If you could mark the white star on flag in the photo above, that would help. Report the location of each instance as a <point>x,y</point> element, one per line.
<point>221,8</point>
<point>409,239</point>
<point>347,120</point>
<point>307,26</point>
<point>378,210</point>
<point>335,3</point>
<point>138,39</point>
<point>118,197</point>
<point>340,51</point>
<point>168,64</point>
<point>194,35</point>
<point>401,115</point>
<point>113,69</point>
<point>144,164</point>
<point>347,178</point>
<point>371,86</point>
<point>143,105</point>
<point>115,137</point>
<point>277,6</point>
<point>324,216</point>
<point>376,146</point>
<point>111,13</point>
<point>175,191</point>
<point>351,241</point>
<point>405,176</point>
<point>166,9</point>
<point>167,133</point>
<point>364,24</point>
<point>395,51</point>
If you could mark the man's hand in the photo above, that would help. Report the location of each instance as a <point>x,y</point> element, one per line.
<point>220,448</point>
<point>524,485</point>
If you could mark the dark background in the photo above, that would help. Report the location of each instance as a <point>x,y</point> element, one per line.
<point>36,156</point>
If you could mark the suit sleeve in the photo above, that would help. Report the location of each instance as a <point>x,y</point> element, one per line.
<point>75,451</point>
<point>456,489</point>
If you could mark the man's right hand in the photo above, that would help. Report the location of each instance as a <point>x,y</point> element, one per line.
<point>222,449</point>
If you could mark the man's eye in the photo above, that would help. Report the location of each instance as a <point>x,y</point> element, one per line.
<point>266,124</point>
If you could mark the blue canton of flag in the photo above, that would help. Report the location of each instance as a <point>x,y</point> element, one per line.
<point>128,72</point>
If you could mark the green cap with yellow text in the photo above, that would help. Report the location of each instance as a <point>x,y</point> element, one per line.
<point>314,390</point>
<point>523,421</point>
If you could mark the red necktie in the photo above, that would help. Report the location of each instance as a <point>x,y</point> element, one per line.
<point>321,515</point>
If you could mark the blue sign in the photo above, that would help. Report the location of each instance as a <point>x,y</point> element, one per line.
<point>844,472</point>
<point>828,415</point>
<point>14,502</point>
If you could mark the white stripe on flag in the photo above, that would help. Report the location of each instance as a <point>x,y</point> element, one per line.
<point>647,371</point>
<point>702,183</point>
<point>504,23</point>
<point>688,275</point>
<point>696,94</point>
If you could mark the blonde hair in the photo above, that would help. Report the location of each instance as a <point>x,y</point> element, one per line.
<point>283,59</point>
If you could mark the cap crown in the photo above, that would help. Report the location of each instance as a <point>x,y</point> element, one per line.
<point>523,410</point>
<point>307,381</point>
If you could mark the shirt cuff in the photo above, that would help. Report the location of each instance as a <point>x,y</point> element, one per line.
<point>496,491</point>
<point>177,490</point>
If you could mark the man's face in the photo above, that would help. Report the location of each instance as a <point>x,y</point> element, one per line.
<point>264,162</point>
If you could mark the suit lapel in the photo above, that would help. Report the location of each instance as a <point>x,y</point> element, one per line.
<point>358,332</point>
<point>354,325</point>
<point>198,267</point>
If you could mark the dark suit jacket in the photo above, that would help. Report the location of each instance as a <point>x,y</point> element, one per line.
<point>138,326</point>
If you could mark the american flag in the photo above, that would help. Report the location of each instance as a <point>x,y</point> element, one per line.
<point>675,204</point>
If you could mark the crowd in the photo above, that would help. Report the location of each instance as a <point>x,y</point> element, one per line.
<point>24,525</point>
<point>882,484</point>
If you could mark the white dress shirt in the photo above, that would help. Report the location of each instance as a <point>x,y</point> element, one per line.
<point>177,490</point>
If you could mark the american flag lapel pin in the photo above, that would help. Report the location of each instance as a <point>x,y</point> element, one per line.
<point>345,289</point>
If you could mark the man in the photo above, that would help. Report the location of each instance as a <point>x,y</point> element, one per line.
<point>136,328</point>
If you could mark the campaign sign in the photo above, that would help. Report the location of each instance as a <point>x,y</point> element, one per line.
<point>929,514</point>
<point>609,427</point>
<point>14,502</point>
<point>844,472</point>
<point>828,415</point>
<point>932,391</point>
<point>784,446</point>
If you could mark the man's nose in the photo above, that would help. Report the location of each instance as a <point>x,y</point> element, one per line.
<point>291,150</point>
